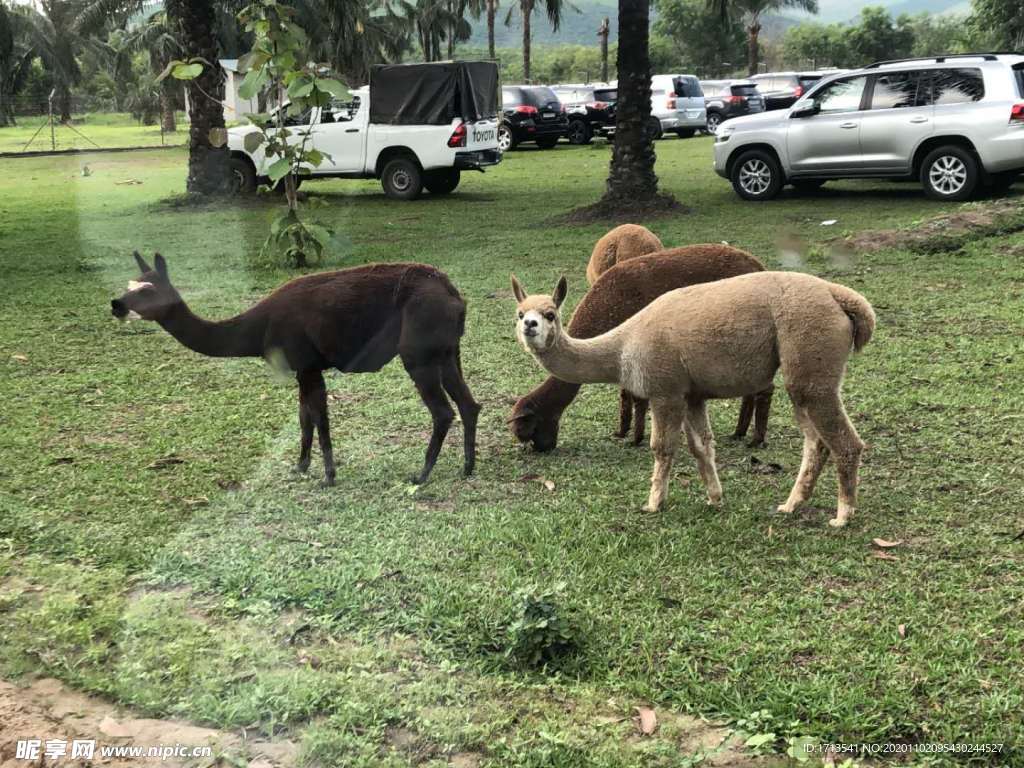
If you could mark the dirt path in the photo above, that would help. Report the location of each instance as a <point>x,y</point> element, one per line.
<point>48,710</point>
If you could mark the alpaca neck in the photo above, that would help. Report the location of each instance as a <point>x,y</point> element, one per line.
<point>239,336</point>
<point>584,361</point>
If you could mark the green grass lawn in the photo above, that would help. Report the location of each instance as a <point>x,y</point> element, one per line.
<point>156,549</point>
<point>87,132</point>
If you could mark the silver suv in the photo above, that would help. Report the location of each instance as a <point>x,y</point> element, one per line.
<point>953,122</point>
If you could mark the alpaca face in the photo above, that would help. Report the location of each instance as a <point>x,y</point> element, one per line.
<point>149,297</point>
<point>538,324</point>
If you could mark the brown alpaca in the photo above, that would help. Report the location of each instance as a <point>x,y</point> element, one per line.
<point>723,339</point>
<point>626,241</point>
<point>355,320</point>
<point>617,295</point>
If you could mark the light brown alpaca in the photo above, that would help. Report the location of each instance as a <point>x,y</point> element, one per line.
<point>721,340</point>
<point>623,242</point>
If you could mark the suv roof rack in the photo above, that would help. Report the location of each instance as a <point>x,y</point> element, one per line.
<point>994,56</point>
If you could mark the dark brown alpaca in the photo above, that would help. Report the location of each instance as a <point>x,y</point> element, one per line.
<point>618,294</point>
<point>355,320</point>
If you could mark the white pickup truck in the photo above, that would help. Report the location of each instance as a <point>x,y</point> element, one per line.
<point>409,143</point>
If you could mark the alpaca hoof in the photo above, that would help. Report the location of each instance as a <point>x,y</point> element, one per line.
<point>714,502</point>
<point>620,434</point>
<point>301,468</point>
<point>467,470</point>
<point>785,509</point>
<point>737,436</point>
<point>649,508</point>
<point>755,443</point>
<point>328,482</point>
<point>837,522</point>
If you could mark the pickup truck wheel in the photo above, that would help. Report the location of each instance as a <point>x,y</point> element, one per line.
<point>579,132</point>
<point>442,181</point>
<point>243,177</point>
<point>402,179</point>
<point>949,173</point>
<point>756,175</point>
<point>506,141</point>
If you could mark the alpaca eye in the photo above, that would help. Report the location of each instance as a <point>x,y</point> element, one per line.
<point>550,316</point>
<point>520,315</point>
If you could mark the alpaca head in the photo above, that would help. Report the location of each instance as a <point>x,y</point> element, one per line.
<point>530,424</point>
<point>538,324</point>
<point>151,296</point>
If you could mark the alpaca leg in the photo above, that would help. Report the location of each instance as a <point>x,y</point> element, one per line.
<point>666,419</point>
<point>427,378</point>
<point>306,427</point>
<point>835,430</point>
<point>762,406</point>
<point>746,414</point>
<point>701,441</point>
<point>639,419</point>
<point>455,385</point>
<point>316,398</point>
<point>814,458</point>
<point>625,412</point>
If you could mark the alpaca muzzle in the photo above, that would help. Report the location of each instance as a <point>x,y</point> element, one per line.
<point>118,309</point>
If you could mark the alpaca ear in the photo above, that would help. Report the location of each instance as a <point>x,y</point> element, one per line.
<point>560,290</point>
<point>143,266</point>
<point>161,265</point>
<point>517,290</point>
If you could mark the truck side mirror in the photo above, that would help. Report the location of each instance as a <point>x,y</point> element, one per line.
<point>806,110</point>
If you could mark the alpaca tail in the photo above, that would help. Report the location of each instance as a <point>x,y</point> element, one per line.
<point>858,310</point>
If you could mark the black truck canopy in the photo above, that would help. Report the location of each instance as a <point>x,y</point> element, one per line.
<point>433,94</point>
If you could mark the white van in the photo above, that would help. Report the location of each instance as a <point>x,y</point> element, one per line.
<point>677,106</point>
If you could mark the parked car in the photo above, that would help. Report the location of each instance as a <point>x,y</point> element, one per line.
<point>677,106</point>
<point>952,122</point>
<point>407,143</point>
<point>781,89</point>
<point>530,113</point>
<point>726,99</point>
<point>590,110</point>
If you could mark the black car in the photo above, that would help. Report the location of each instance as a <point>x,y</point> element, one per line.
<point>725,99</point>
<point>530,113</point>
<point>589,109</point>
<point>782,89</point>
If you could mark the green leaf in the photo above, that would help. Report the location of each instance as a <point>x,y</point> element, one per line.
<point>332,86</point>
<point>279,169</point>
<point>300,87</point>
<point>314,157</point>
<point>253,141</point>
<point>168,69</point>
<point>218,137</point>
<point>759,739</point>
<point>253,83</point>
<point>186,71</point>
<point>252,60</point>
<point>320,233</point>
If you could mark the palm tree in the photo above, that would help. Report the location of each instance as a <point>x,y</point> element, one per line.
<point>57,38</point>
<point>192,24</point>
<point>554,10</point>
<point>353,36</point>
<point>154,36</point>
<point>16,54</point>
<point>631,178</point>
<point>752,11</point>
<point>492,9</point>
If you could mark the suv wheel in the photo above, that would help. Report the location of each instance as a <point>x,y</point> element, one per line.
<point>714,120</point>
<point>949,173</point>
<point>506,142</point>
<point>654,128</point>
<point>442,181</point>
<point>1000,183</point>
<point>685,133</point>
<point>579,132</point>
<point>402,179</point>
<point>243,177</point>
<point>756,175</point>
<point>547,142</point>
<point>808,186</point>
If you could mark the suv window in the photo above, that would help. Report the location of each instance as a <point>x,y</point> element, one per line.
<point>609,94</point>
<point>747,89</point>
<point>688,87</point>
<point>511,97</point>
<point>957,86</point>
<point>539,96</point>
<point>896,90</point>
<point>1018,71</point>
<point>841,95</point>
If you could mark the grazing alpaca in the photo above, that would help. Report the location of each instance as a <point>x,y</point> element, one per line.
<point>626,241</point>
<point>355,320</point>
<point>617,295</point>
<point>723,339</point>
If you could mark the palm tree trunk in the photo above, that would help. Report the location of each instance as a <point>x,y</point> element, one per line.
<point>527,8</point>
<point>3,110</point>
<point>207,163</point>
<point>64,104</point>
<point>167,121</point>
<point>491,11</point>
<point>631,176</point>
<point>753,51</point>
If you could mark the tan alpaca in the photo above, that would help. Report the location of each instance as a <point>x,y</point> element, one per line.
<point>623,242</point>
<point>721,340</point>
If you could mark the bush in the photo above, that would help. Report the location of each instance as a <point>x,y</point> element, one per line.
<point>541,633</point>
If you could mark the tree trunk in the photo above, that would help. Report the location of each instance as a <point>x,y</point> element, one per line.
<point>631,176</point>
<point>491,11</point>
<point>64,104</point>
<point>3,111</point>
<point>167,121</point>
<point>527,8</point>
<point>207,163</point>
<point>602,33</point>
<point>753,51</point>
